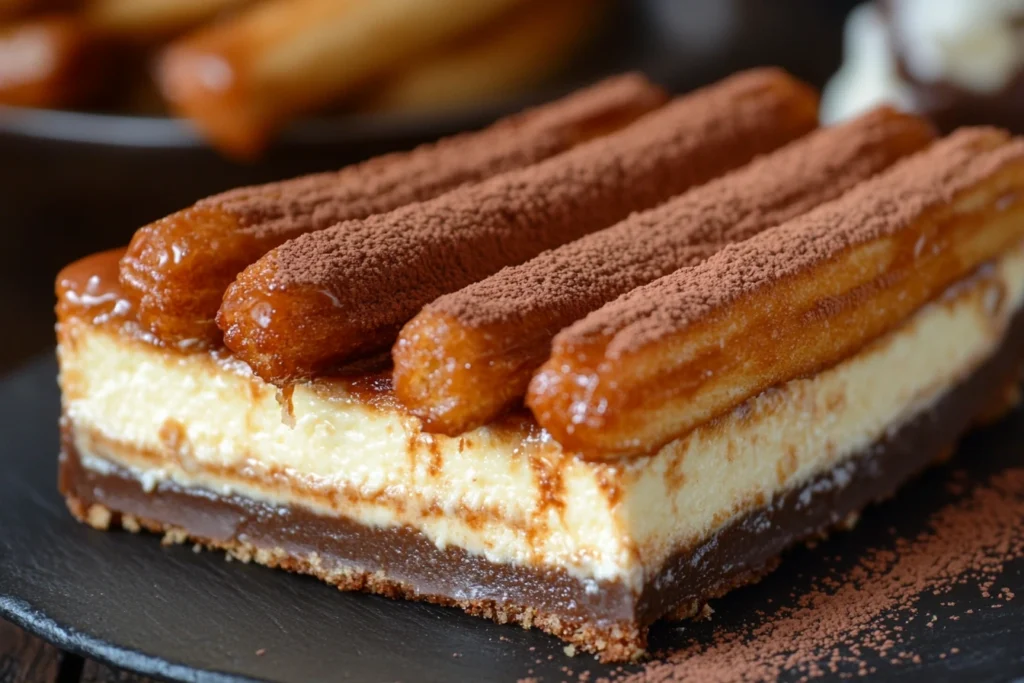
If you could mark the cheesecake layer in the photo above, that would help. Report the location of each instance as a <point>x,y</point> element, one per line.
<point>607,616</point>
<point>507,492</point>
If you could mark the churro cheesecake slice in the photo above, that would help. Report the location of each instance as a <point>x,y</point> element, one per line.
<point>814,327</point>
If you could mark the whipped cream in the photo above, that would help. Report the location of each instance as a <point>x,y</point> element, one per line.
<point>974,45</point>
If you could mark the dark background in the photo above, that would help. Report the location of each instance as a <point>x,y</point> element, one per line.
<point>72,186</point>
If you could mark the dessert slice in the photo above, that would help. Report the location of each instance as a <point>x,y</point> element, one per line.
<point>895,320</point>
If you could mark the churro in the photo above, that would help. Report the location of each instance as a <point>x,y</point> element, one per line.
<point>516,53</point>
<point>179,267</point>
<point>49,61</point>
<point>242,79</point>
<point>141,20</point>
<point>469,355</point>
<point>788,303</point>
<point>13,8</point>
<point>334,295</point>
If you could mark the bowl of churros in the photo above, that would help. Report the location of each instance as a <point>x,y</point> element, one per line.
<point>240,71</point>
<point>114,112</point>
<point>217,93</point>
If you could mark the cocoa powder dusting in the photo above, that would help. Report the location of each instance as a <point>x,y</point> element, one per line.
<point>382,269</point>
<point>564,284</point>
<point>877,208</point>
<point>845,624</point>
<point>330,296</point>
<point>384,183</point>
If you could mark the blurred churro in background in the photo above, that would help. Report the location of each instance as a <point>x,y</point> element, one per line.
<point>243,79</point>
<point>142,20</point>
<point>512,53</point>
<point>18,9</point>
<point>10,8</point>
<point>49,61</point>
<point>243,69</point>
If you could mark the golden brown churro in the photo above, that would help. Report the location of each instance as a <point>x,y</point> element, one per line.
<point>179,266</point>
<point>334,295</point>
<point>141,20</point>
<point>787,303</point>
<point>13,8</point>
<point>470,355</point>
<point>241,79</point>
<point>49,61</point>
<point>514,53</point>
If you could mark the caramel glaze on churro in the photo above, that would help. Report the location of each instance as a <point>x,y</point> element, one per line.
<point>785,304</point>
<point>178,267</point>
<point>333,295</point>
<point>469,355</point>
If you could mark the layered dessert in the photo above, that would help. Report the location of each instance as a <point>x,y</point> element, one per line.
<point>581,394</point>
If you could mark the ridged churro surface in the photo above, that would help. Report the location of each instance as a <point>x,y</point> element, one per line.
<point>50,60</point>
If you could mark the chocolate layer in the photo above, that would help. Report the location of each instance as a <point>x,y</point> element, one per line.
<point>413,567</point>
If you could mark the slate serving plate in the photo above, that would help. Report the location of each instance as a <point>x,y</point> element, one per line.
<point>172,613</point>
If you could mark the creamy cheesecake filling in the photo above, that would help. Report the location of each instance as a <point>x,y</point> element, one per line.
<point>507,491</point>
